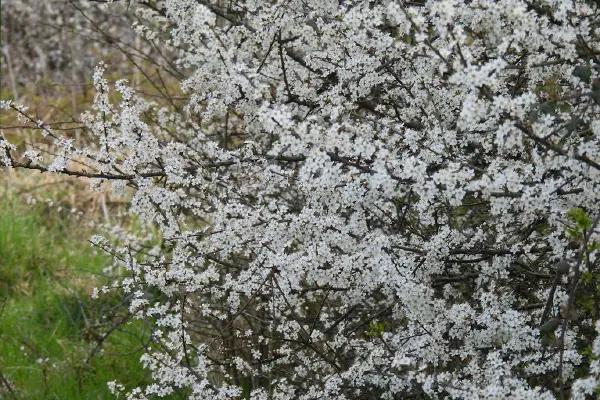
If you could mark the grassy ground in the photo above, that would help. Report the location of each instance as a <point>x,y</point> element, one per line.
<point>54,341</point>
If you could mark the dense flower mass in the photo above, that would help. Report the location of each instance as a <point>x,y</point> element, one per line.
<point>359,199</point>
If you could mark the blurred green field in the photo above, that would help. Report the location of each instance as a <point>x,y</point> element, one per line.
<point>55,341</point>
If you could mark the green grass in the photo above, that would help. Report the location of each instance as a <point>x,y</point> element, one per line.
<point>49,326</point>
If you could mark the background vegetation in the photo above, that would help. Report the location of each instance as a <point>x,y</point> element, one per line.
<point>55,341</point>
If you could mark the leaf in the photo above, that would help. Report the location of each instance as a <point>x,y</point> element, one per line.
<point>548,107</point>
<point>586,277</point>
<point>593,246</point>
<point>375,329</point>
<point>581,219</point>
<point>550,326</point>
<point>596,91</point>
<point>562,267</point>
<point>583,72</point>
<point>551,88</point>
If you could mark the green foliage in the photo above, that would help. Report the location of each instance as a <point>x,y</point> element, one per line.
<point>49,326</point>
<point>583,72</point>
<point>550,87</point>
<point>588,295</point>
<point>376,329</point>
<point>596,90</point>
<point>582,221</point>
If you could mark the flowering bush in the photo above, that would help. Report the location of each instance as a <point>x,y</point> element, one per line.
<point>359,199</point>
